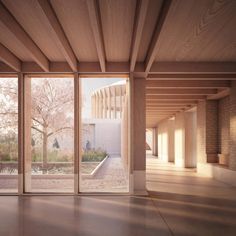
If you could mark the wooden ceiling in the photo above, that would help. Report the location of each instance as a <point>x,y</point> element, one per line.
<point>186,49</point>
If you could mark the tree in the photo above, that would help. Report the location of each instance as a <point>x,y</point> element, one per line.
<point>8,117</point>
<point>52,109</point>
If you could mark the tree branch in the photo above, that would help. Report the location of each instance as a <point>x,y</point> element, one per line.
<point>40,131</point>
<point>39,122</point>
<point>58,130</point>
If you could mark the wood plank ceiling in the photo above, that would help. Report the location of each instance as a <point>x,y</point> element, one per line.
<point>185,49</point>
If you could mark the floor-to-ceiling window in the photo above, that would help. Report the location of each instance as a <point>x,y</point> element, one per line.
<point>8,135</point>
<point>104,165</point>
<point>49,167</point>
<point>48,144</point>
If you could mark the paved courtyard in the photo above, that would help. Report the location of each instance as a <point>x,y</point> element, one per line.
<point>111,177</point>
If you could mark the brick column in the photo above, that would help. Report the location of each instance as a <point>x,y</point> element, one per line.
<point>232,149</point>
<point>207,134</point>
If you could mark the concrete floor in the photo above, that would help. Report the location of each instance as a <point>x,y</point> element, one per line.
<point>189,203</point>
<point>180,203</point>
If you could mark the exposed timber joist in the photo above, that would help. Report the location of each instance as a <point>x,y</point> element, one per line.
<point>177,97</point>
<point>15,28</point>
<point>187,84</point>
<point>219,95</point>
<point>165,105</point>
<point>181,91</point>
<point>168,102</point>
<point>58,34</point>
<point>141,13</point>
<point>95,20</point>
<point>88,68</point>
<point>193,68</point>
<point>220,76</point>
<point>9,58</point>
<point>152,51</point>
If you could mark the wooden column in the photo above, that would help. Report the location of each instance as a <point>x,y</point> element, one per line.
<point>100,104</point>
<point>138,132</point>
<point>97,105</point>
<point>77,131</point>
<point>121,101</point>
<point>109,102</point>
<point>104,103</point>
<point>20,133</point>
<point>115,104</point>
<point>93,106</point>
<point>27,132</point>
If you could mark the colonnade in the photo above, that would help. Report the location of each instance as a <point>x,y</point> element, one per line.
<point>108,102</point>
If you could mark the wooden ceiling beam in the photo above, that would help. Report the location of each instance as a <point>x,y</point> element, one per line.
<point>219,95</point>
<point>152,51</point>
<point>163,111</point>
<point>148,105</point>
<point>170,102</point>
<point>187,84</point>
<point>141,12</point>
<point>95,22</point>
<point>88,68</point>
<point>159,112</point>
<point>15,28</point>
<point>193,68</point>
<point>9,58</point>
<point>219,76</point>
<point>58,34</point>
<point>178,97</point>
<point>181,91</point>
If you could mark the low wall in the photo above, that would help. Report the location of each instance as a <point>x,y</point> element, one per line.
<point>220,173</point>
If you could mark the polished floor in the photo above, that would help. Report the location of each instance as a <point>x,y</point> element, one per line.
<point>180,202</point>
<point>189,203</point>
<point>87,216</point>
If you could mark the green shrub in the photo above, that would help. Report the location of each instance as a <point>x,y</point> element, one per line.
<point>96,155</point>
<point>5,157</point>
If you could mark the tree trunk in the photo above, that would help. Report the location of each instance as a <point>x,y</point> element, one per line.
<point>45,153</point>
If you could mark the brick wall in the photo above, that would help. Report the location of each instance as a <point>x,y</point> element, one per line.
<point>207,134</point>
<point>211,126</point>
<point>232,159</point>
<point>223,125</point>
<point>201,132</point>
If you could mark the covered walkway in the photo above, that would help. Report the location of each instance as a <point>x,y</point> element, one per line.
<point>191,204</point>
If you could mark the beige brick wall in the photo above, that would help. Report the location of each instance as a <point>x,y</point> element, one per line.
<point>201,132</point>
<point>232,159</point>
<point>211,126</point>
<point>223,125</point>
<point>207,134</point>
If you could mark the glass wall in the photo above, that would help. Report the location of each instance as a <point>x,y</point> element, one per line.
<point>8,135</point>
<point>104,155</point>
<point>48,135</point>
<point>51,164</point>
